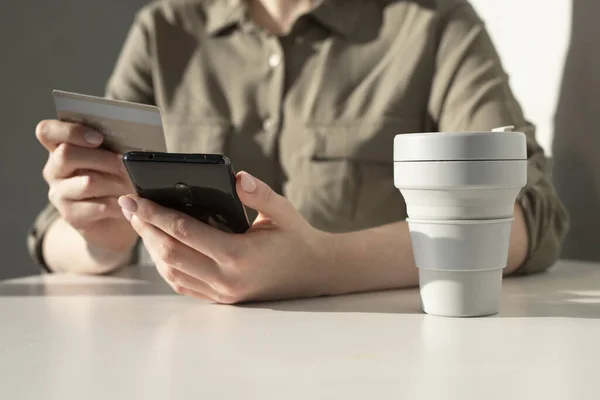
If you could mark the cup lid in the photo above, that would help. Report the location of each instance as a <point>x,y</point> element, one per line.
<point>499,144</point>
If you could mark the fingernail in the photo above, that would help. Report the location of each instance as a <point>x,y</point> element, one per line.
<point>93,137</point>
<point>127,214</point>
<point>248,183</point>
<point>128,204</point>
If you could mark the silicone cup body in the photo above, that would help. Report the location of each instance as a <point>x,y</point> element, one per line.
<point>460,191</point>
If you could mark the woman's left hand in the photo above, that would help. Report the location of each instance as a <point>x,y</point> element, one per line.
<point>281,256</point>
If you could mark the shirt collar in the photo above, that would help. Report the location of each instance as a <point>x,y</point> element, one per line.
<point>223,14</point>
<point>336,15</point>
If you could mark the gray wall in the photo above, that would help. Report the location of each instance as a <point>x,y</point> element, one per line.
<point>576,147</point>
<point>577,138</point>
<point>45,45</point>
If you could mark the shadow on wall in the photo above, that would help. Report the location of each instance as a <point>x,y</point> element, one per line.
<point>576,147</point>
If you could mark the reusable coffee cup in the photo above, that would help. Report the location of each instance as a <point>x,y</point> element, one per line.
<point>460,191</point>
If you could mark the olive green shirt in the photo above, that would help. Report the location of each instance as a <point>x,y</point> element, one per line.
<point>314,113</point>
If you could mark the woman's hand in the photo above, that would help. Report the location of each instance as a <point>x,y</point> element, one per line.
<point>84,182</point>
<point>281,256</point>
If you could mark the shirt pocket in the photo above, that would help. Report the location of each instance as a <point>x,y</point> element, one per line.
<point>364,140</point>
<point>348,174</point>
<point>208,135</point>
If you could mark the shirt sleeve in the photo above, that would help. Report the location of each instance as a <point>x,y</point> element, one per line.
<point>471,92</point>
<point>131,80</point>
<point>36,234</point>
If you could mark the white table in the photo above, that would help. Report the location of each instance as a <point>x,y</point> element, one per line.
<point>129,338</point>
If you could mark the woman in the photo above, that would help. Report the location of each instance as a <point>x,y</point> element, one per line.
<point>306,97</point>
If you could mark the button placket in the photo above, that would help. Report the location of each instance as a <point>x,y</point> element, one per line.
<point>275,87</point>
<point>276,64</point>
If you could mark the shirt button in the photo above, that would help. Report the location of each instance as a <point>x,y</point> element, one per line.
<point>274,60</point>
<point>268,125</point>
<point>298,40</point>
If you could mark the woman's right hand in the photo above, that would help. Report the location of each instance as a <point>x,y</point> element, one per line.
<point>85,183</point>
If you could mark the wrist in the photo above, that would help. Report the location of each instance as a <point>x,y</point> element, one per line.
<point>109,260</point>
<point>65,250</point>
<point>334,270</point>
<point>378,258</point>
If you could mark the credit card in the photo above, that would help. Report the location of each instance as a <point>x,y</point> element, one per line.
<point>126,126</point>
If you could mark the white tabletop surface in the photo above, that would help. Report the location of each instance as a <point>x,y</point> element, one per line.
<point>129,338</point>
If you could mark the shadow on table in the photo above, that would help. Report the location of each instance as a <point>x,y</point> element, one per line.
<point>562,292</point>
<point>131,281</point>
<point>383,302</point>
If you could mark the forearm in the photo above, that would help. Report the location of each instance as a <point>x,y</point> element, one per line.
<point>519,242</point>
<point>374,259</point>
<point>382,258</point>
<point>65,250</point>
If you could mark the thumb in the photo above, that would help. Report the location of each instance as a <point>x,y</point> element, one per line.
<point>259,196</point>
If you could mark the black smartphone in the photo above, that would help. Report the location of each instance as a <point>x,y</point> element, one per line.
<point>200,185</point>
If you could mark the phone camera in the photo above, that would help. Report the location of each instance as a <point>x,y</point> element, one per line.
<point>185,193</point>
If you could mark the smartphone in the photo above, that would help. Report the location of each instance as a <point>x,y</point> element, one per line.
<point>200,185</point>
